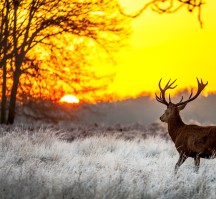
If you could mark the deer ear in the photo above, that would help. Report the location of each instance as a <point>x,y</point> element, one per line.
<point>181,107</point>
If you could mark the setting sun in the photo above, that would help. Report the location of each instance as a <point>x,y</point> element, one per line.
<point>70,99</point>
<point>102,51</point>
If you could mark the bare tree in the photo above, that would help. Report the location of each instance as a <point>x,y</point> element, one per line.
<point>32,23</point>
<point>75,74</point>
<point>29,27</point>
<point>5,51</point>
<point>168,6</point>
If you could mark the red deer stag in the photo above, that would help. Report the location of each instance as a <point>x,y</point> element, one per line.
<point>190,140</point>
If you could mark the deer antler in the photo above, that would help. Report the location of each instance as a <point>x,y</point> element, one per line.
<point>201,86</point>
<point>162,98</point>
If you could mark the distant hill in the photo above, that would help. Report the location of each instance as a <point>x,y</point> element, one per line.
<point>145,110</point>
<point>142,110</point>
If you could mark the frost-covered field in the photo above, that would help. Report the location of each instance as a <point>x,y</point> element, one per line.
<point>110,163</point>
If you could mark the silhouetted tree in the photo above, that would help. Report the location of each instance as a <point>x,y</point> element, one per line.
<point>32,23</point>
<point>29,27</point>
<point>168,6</point>
<point>74,75</point>
<point>5,47</point>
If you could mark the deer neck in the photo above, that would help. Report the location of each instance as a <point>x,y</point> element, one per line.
<point>174,124</point>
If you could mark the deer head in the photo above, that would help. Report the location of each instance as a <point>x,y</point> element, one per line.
<point>173,109</point>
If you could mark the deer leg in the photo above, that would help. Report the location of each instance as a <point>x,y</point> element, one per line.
<point>181,160</point>
<point>197,163</point>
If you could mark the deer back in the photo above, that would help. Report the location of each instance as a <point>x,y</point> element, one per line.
<point>193,139</point>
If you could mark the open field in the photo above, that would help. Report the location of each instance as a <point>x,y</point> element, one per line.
<point>42,163</point>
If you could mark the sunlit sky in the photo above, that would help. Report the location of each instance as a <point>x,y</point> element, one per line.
<point>167,46</point>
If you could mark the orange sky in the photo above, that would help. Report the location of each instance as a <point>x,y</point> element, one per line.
<point>167,46</point>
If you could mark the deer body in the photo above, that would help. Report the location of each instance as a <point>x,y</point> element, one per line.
<point>194,140</point>
<point>190,140</point>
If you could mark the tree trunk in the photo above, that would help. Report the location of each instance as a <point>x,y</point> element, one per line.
<point>4,64</point>
<point>17,72</point>
<point>4,98</point>
<point>12,104</point>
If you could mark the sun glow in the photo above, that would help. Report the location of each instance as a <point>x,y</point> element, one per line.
<point>160,46</point>
<point>167,46</point>
<point>69,99</point>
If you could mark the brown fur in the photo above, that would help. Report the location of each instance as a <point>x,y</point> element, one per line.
<point>190,140</point>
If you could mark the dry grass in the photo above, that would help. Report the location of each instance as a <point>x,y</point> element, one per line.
<point>36,164</point>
